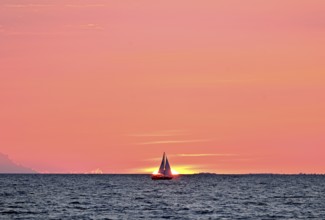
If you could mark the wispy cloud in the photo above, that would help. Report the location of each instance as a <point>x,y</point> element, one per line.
<point>84,5</point>
<point>167,133</point>
<point>29,33</point>
<point>173,142</point>
<point>204,155</point>
<point>50,5</point>
<point>28,5</point>
<point>88,26</point>
<point>91,27</point>
<point>153,159</point>
<point>193,155</point>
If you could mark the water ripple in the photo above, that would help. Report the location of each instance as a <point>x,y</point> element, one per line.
<point>137,197</point>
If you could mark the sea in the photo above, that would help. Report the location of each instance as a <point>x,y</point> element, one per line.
<point>202,196</point>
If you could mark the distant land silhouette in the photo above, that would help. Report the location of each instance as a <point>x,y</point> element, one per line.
<point>8,166</point>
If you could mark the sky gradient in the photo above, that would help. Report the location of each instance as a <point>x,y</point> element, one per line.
<point>220,86</point>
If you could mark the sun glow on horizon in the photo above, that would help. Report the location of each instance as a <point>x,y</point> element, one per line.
<point>174,172</point>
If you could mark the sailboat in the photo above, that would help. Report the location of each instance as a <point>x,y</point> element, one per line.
<point>165,172</point>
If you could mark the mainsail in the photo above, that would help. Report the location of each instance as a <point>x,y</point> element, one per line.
<point>164,172</point>
<point>168,171</point>
<point>165,167</point>
<point>162,165</point>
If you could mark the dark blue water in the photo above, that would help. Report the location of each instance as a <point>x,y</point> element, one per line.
<point>138,197</point>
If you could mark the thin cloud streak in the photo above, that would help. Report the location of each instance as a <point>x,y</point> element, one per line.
<point>28,5</point>
<point>81,27</point>
<point>205,155</point>
<point>91,27</point>
<point>19,33</point>
<point>84,6</point>
<point>173,142</point>
<point>193,155</point>
<point>153,159</point>
<point>168,133</point>
<point>87,26</point>
<point>153,135</point>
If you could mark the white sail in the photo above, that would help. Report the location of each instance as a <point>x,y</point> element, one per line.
<point>162,165</point>
<point>168,170</point>
<point>165,172</point>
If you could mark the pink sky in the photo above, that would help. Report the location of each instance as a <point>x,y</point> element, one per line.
<point>221,86</point>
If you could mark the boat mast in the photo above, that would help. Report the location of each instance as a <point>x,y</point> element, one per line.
<point>162,165</point>
<point>168,170</point>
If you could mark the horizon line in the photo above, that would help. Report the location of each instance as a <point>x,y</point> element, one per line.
<point>200,173</point>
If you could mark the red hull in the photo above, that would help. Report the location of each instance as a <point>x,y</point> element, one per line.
<point>160,177</point>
